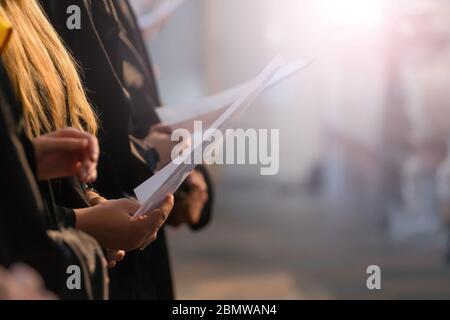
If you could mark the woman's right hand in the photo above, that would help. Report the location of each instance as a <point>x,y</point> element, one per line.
<point>67,152</point>
<point>112,224</point>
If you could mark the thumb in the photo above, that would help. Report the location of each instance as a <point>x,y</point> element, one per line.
<point>167,205</point>
<point>128,205</point>
<point>161,128</point>
<point>65,145</point>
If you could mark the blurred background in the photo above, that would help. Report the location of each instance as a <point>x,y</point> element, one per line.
<point>364,134</point>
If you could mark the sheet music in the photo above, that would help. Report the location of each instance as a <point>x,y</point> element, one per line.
<point>183,116</point>
<point>152,192</point>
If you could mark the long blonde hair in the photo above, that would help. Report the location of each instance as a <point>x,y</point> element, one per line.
<point>43,73</point>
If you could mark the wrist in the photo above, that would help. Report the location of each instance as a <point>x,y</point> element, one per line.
<point>81,221</point>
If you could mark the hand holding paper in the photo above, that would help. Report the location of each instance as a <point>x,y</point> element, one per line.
<point>169,179</point>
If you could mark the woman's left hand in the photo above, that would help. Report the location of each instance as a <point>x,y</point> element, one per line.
<point>189,207</point>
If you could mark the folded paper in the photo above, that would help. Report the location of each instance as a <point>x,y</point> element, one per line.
<point>208,108</point>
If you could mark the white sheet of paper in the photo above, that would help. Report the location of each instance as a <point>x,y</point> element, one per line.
<point>152,192</point>
<point>163,11</point>
<point>182,116</point>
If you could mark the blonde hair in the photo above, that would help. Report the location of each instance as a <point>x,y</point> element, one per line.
<point>43,73</point>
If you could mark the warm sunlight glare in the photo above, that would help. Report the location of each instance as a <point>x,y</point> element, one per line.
<point>351,14</point>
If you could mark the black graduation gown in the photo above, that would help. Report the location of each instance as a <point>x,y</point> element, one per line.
<point>135,70</point>
<point>23,236</point>
<point>142,275</point>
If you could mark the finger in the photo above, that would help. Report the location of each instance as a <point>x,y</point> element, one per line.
<point>69,132</point>
<point>165,208</point>
<point>154,220</point>
<point>196,180</point>
<point>167,205</point>
<point>205,197</point>
<point>66,132</point>
<point>152,223</point>
<point>148,241</point>
<point>198,193</point>
<point>69,145</point>
<point>87,178</point>
<point>161,128</point>
<point>191,179</point>
<point>92,174</point>
<point>194,217</point>
<point>114,256</point>
<point>83,173</point>
<point>75,168</point>
<point>120,255</point>
<point>193,196</point>
<point>94,149</point>
<point>194,183</point>
<point>202,184</point>
<point>93,146</point>
<point>92,177</point>
<point>130,206</point>
<point>200,181</point>
<point>89,172</point>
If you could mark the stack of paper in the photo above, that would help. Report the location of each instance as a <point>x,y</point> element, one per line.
<point>152,192</point>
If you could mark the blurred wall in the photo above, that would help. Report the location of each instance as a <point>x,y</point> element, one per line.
<point>210,45</point>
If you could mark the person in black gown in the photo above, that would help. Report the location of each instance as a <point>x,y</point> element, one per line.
<point>109,221</point>
<point>23,236</point>
<point>110,50</point>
